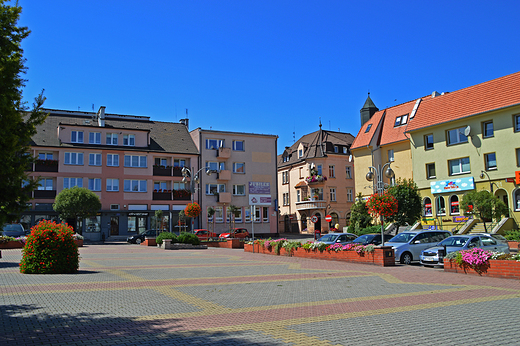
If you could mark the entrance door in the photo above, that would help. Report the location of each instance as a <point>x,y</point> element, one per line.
<point>114,225</point>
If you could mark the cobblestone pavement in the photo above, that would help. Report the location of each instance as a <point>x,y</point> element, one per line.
<point>136,295</point>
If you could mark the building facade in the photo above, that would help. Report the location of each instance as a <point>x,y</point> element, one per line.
<point>315,180</point>
<point>241,187</point>
<point>132,163</point>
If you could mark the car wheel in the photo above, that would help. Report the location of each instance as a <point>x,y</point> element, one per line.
<point>138,241</point>
<point>406,258</point>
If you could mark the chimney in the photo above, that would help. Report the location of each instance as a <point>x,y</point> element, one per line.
<point>186,122</point>
<point>435,94</point>
<point>101,116</point>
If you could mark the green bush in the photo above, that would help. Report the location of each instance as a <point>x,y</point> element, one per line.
<point>166,235</point>
<point>50,249</point>
<point>513,235</point>
<point>188,238</point>
<point>369,230</point>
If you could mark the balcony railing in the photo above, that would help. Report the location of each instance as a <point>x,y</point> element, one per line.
<point>177,171</point>
<point>307,205</point>
<point>44,194</point>
<point>162,196</point>
<point>46,166</point>
<point>224,175</point>
<point>181,195</point>
<point>165,171</point>
<point>223,153</point>
<point>224,197</point>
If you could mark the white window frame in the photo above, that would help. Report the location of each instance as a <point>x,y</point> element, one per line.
<point>112,139</point>
<point>179,163</point>
<point>94,137</point>
<point>71,182</point>
<point>237,165</point>
<point>216,166</point>
<point>333,194</point>
<point>257,216</point>
<point>45,155</point>
<point>459,132</point>
<point>46,184</point>
<point>134,185</point>
<point>332,171</point>
<point>350,195</point>
<point>112,185</point>
<point>76,136</point>
<point>130,161</point>
<point>73,158</point>
<point>265,214</point>
<point>112,160</point>
<point>487,162</point>
<point>235,146</point>
<point>94,184</point>
<point>219,214</point>
<point>215,188</point>
<point>129,140</point>
<point>213,143</point>
<point>298,195</point>
<point>460,165</point>
<point>236,191</point>
<point>94,159</point>
<point>348,172</point>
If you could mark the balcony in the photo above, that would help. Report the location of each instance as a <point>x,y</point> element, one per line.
<point>165,171</point>
<point>181,195</point>
<point>177,171</point>
<point>223,153</point>
<point>44,194</point>
<point>224,175</point>
<point>311,204</point>
<point>162,195</point>
<point>224,197</point>
<point>46,166</point>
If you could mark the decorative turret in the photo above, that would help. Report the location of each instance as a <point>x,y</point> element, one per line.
<point>369,109</point>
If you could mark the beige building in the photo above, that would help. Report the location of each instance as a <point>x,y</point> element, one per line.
<point>316,179</point>
<point>244,166</point>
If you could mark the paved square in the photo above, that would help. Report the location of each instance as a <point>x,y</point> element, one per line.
<point>135,295</point>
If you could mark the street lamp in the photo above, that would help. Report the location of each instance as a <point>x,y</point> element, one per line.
<point>186,172</point>
<point>380,186</point>
<point>482,173</point>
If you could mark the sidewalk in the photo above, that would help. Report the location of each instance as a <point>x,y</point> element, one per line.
<point>135,295</point>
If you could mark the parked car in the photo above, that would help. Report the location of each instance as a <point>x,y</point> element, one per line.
<point>139,238</point>
<point>240,233</point>
<point>333,238</point>
<point>500,238</point>
<point>373,239</point>
<point>204,234</point>
<point>430,256</point>
<point>14,230</point>
<point>409,245</point>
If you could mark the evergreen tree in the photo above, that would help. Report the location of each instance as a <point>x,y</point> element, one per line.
<point>18,123</point>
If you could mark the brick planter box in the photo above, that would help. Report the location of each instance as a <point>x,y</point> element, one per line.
<point>13,244</point>
<point>382,256</point>
<point>149,242</point>
<point>513,245</point>
<point>79,242</point>
<point>229,244</point>
<point>496,269</point>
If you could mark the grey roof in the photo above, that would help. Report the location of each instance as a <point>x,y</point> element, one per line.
<point>165,137</point>
<point>313,149</point>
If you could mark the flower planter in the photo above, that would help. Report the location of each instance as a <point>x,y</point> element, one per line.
<point>513,245</point>
<point>79,242</point>
<point>12,244</point>
<point>228,244</point>
<point>383,256</point>
<point>496,268</point>
<point>149,242</point>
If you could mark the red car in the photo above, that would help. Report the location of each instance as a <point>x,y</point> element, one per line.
<point>239,233</point>
<point>204,234</point>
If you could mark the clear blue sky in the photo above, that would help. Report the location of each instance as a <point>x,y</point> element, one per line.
<point>273,67</point>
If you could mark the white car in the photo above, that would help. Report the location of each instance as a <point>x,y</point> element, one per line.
<point>409,245</point>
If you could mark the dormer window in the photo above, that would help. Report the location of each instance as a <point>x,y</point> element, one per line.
<point>129,140</point>
<point>300,153</point>
<point>76,136</point>
<point>368,128</point>
<point>401,120</point>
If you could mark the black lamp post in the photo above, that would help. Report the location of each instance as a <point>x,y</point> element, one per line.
<point>380,186</point>
<point>186,172</point>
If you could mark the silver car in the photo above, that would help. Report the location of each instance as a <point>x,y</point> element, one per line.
<point>409,245</point>
<point>430,256</point>
<point>340,238</point>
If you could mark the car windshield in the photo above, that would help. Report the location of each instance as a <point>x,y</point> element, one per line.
<point>402,238</point>
<point>454,241</point>
<point>363,238</point>
<point>13,227</point>
<point>328,237</point>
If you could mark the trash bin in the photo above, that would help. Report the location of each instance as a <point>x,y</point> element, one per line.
<point>317,234</point>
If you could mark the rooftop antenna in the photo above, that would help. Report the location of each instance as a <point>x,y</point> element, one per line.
<point>92,107</point>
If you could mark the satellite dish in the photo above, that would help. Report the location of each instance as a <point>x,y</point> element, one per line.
<point>467,131</point>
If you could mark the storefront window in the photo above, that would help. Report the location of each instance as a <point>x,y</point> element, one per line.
<point>454,205</point>
<point>427,207</point>
<point>93,224</point>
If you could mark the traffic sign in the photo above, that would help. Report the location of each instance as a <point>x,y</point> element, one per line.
<point>328,218</point>
<point>314,219</point>
<point>291,217</point>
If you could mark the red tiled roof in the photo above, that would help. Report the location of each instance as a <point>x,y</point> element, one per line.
<point>363,139</point>
<point>300,184</point>
<point>391,133</point>
<point>495,94</point>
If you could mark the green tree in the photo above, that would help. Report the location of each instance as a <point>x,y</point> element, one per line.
<point>18,123</point>
<point>483,205</point>
<point>409,204</point>
<point>232,209</point>
<point>359,216</point>
<point>76,203</point>
<point>211,212</point>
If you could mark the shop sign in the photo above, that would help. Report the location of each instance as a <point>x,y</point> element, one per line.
<point>517,177</point>
<point>460,218</point>
<point>137,214</point>
<point>259,199</point>
<point>259,188</point>
<point>444,186</point>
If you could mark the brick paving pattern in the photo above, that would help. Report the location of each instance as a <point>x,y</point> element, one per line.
<point>136,295</point>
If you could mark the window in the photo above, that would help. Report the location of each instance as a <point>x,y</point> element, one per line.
<point>76,137</point>
<point>440,206</point>
<point>265,214</point>
<point>285,158</point>
<point>213,189</point>
<point>46,184</point>
<point>298,195</point>
<point>336,149</point>
<point>135,185</point>
<point>285,177</point>
<point>397,121</point>
<point>454,205</point>
<point>487,129</point>
<point>94,159</point>
<point>333,194</point>
<point>94,137</point>
<point>112,184</point>
<point>427,207</point>
<point>428,142</point>
<point>45,156</point>
<point>238,145</point>
<point>368,128</point>
<point>129,140</point>
<point>300,153</point>
<point>257,214</point>
<point>300,171</point>
<point>518,157</point>
<point>179,163</point>
<point>216,166</point>
<point>430,171</point>
<point>516,123</point>
<point>348,172</point>
<point>160,186</point>
<point>135,161</point>
<point>111,138</point>
<point>350,195</point>
<point>71,182</point>
<point>113,160</point>
<point>490,161</point>
<point>214,143</point>
<point>517,200</point>
<point>239,167</point>
<point>248,215</point>
<point>319,169</point>
<point>219,214</point>
<point>238,215</point>
<point>456,136</point>
<point>459,166</point>
<point>161,161</point>
<point>94,184</point>
<point>332,173</point>
<point>317,194</point>
<point>345,150</point>
<point>180,186</point>
<point>74,158</point>
<point>391,155</point>
<point>285,198</point>
<point>401,120</point>
<point>239,190</point>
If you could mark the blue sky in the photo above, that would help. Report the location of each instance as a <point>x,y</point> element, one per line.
<point>273,67</point>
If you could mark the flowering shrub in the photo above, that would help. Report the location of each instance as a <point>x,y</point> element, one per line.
<point>5,239</point>
<point>50,248</point>
<point>360,249</point>
<point>333,229</point>
<point>316,178</point>
<point>382,204</point>
<point>275,244</point>
<point>192,209</point>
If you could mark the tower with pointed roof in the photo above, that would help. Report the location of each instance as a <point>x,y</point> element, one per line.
<point>369,109</point>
